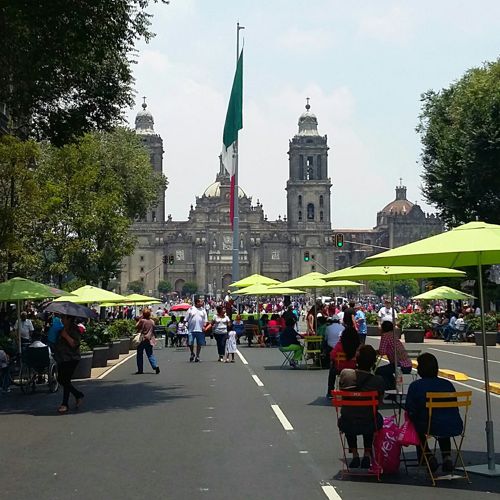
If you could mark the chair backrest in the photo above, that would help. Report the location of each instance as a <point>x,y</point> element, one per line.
<point>366,399</point>
<point>252,329</point>
<point>313,342</point>
<point>37,357</point>
<point>439,400</point>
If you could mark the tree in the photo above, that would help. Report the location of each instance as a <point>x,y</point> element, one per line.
<point>460,133</point>
<point>164,286</point>
<point>406,288</point>
<point>136,286</point>
<point>66,64</point>
<point>380,288</point>
<point>189,288</point>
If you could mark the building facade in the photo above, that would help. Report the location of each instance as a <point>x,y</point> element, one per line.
<point>200,249</point>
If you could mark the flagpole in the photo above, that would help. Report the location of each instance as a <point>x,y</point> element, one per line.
<point>235,270</point>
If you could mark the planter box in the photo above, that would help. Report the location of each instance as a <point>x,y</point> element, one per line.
<point>373,330</point>
<point>84,367</point>
<point>100,359</point>
<point>414,336</point>
<point>491,338</point>
<point>160,343</point>
<point>124,345</point>
<point>114,349</point>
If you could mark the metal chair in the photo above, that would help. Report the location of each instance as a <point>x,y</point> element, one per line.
<point>436,401</point>
<point>369,399</point>
<point>313,349</point>
<point>288,358</point>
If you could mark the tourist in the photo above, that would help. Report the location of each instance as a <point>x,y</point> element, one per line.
<point>289,341</point>
<point>238,327</point>
<point>385,313</point>
<point>220,325</point>
<point>25,328</point>
<point>181,338</point>
<point>146,327</point>
<point>196,320</point>
<point>273,330</point>
<point>230,346</point>
<point>171,328</point>
<point>360,320</point>
<point>348,318</point>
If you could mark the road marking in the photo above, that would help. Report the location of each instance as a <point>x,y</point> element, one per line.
<point>243,360</point>
<point>330,492</point>
<point>477,388</point>
<point>258,381</point>
<point>463,355</point>
<point>107,372</point>
<point>282,418</point>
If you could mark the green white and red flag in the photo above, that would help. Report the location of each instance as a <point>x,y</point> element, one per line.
<point>234,122</point>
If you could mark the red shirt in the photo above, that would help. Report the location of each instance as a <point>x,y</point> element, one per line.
<point>340,365</point>
<point>387,347</point>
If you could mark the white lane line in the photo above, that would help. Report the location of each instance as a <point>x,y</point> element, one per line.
<point>330,492</point>
<point>475,388</point>
<point>463,355</point>
<point>258,381</point>
<point>243,360</point>
<point>281,417</point>
<point>107,372</point>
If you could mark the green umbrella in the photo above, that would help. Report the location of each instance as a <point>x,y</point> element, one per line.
<point>89,294</point>
<point>444,292</point>
<point>472,244</point>
<point>137,298</point>
<point>19,289</point>
<point>313,282</point>
<point>254,279</point>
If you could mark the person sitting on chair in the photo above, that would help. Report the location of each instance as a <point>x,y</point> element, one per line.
<point>289,341</point>
<point>356,420</point>
<point>446,422</point>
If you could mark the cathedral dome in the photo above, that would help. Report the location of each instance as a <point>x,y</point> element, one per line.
<point>144,123</point>
<point>213,191</point>
<point>308,123</point>
<point>400,205</point>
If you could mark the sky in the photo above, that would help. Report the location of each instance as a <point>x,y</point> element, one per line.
<point>363,64</point>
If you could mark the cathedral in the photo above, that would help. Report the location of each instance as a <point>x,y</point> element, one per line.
<point>200,249</point>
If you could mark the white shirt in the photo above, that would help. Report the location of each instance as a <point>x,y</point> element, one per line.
<point>196,319</point>
<point>26,328</point>
<point>333,333</point>
<point>385,314</point>
<point>460,324</point>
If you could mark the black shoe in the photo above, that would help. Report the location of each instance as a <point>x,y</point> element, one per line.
<point>197,359</point>
<point>365,463</point>
<point>138,373</point>
<point>433,463</point>
<point>157,370</point>
<point>191,358</point>
<point>447,465</point>
<point>355,463</point>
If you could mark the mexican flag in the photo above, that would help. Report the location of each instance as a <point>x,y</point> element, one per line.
<point>234,122</point>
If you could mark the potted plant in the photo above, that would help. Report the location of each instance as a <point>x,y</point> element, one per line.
<point>491,324</point>
<point>114,344</point>
<point>97,338</point>
<point>372,324</point>
<point>414,326</point>
<point>84,367</point>
<point>122,330</point>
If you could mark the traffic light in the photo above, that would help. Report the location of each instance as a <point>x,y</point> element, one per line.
<point>164,259</point>
<point>170,259</point>
<point>307,257</point>
<point>339,240</point>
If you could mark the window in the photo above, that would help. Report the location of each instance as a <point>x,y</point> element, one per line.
<point>153,216</point>
<point>318,166</point>
<point>300,200</point>
<point>300,215</point>
<point>321,216</point>
<point>141,258</point>
<point>310,168</point>
<point>310,211</point>
<point>301,167</point>
<point>142,269</point>
<point>321,201</point>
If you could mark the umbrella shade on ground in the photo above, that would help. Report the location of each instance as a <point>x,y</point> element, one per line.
<point>472,244</point>
<point>91,294</point>
<point>71,309</point>
<point>444,293</point>
<point>181,307</point>
<point>254,279</point>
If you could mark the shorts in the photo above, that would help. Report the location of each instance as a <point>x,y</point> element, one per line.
<point>198,336</point>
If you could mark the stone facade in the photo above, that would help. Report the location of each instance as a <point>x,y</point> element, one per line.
<point>202,246</point>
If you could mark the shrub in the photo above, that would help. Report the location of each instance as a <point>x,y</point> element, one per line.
<point>96,334</point>
<point>491,323</point>
<point>121,328</point>
<point>420,321</point>
<point>371,318</point>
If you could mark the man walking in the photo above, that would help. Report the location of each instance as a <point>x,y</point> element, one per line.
<point>360,319</point>
<point>196,320</point>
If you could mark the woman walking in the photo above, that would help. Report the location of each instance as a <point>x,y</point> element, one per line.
<point>146,327</point>
<point>67,355</point>
<point>220,327</point>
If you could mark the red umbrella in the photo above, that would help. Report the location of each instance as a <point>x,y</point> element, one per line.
<point>181,307</point>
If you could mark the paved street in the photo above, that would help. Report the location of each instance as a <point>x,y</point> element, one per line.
<point>209,431</point>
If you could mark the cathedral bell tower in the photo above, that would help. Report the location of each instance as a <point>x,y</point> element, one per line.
<point>308,187</point>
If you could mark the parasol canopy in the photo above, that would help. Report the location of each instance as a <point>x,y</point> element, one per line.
<point>89,294</point>
<point>445,293</point>
<point>254,279</point>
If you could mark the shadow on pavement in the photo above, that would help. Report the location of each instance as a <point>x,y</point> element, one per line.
<point>100,396</point>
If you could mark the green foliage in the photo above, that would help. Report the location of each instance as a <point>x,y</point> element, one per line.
<point>84,347</point>
<point>371,318</point>
<point>460,133</point>
<point>136,286</point>
<point>380,288</point>
<point>420,321</point>
<point>67,66</point>
<point>121,328</point>
<point>490,320</point>
<point>97,334</point>
<point>189,288</point>
<point>165,286</point>
<point>406,288</point>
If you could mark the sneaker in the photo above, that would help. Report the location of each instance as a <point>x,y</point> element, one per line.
<point>355,463</point>
<point>447,465</point>
<point>157,370</point>
<point>138,373</point>
<point>191,358</point>
<point>197,359</point>
<point>232,361</point>
<point>365,463</point>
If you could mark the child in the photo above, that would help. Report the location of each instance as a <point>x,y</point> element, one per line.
<point>230,346</point>
<point>182,332</point>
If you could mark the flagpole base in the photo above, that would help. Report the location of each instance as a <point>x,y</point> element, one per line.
<point>484,470</point>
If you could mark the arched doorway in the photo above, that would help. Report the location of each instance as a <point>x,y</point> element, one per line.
<point>179,285</point>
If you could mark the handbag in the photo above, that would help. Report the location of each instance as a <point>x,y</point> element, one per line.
<point>387,448</point>
<point>136,340</point>
<point>407,433</point>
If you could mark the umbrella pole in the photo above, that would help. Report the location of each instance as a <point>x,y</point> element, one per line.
<point>18,311</point>
<point>393,310</point>
<point>489,423</point>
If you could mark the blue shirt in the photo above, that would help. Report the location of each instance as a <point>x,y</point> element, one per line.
<point>55,330</point>
<point>446,422</point>
<point>360,315</point>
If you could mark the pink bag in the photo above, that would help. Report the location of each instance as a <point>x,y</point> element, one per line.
<point>407,433</point>
<point>387,449</point>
